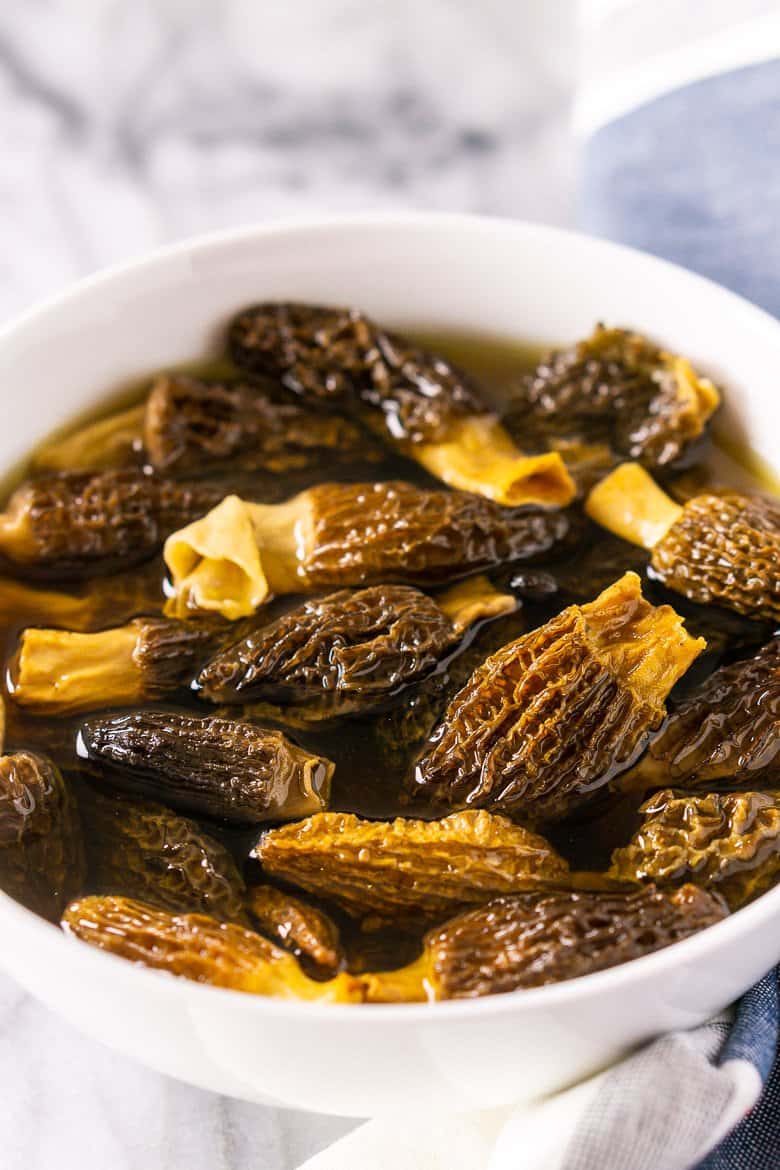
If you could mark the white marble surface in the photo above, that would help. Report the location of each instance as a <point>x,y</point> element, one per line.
<point>127,123</point>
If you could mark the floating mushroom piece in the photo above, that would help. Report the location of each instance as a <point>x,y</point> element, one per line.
<point>726,730</point>
<point>617,386</point>
<point>726,841</point>
<point>218,767</point>
<point>347,651</point>
<point>556,714</point>
<point>239,555</point>
<point>415,400</point>
<point>409,866</point>
<point>200,948</point>
<point>719,549</point>
<point>528,941</point>
<point>299,927</point>
<point>61,672</point>
<point>76,524</point>
<point>41,848</point>
<point>141,849</point>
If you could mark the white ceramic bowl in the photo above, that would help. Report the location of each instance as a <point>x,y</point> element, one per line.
<point>511,279</point>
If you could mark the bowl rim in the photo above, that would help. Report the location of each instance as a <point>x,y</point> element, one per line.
<point>743,922</point>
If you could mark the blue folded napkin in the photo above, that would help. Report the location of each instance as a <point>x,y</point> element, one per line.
<point>694,176</point>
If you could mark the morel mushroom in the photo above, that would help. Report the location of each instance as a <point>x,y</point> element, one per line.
<point>297,926</point>
<point>617,386</point>
<point>553,716</point>
<point>729,841</point>
<point>201,948</point>
<point>190,424</point>
<point>77,524</point>
<point>347,651</point>
<point>726,729</point>
<point>409,866</point>
<point>141,849</point>
<point>415,400</point>
<point>715,549</point>
<point>41,849</point>
<point>59,672</point>
<point>529,941</point>
<point>235,558</point>
<point>219,767</point>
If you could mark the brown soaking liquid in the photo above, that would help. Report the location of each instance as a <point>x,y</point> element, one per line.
<point>373,753</point>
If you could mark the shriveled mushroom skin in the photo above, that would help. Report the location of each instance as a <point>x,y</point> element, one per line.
<point>618,387</point>
<point>75,524</point>
<point>726,729</point>
<point>727,841</point>
<point>367,534</point>
<point>337,356</point>
<point>41,848</point>
<point>557,713</point>
<point>357,645</point>
<point>725,550</point>
<point>141,849</point>
<point>221,767</point>
<point>527,941</point>
<point>190,424</point>
<point>343,652</point>
<point>298,927</point>
<point>409,866</point>
<point>198,947</point>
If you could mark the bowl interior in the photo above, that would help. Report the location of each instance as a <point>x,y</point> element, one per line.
<point>448,273</point>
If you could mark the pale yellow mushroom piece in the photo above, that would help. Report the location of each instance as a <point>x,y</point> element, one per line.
<point>478,455</point>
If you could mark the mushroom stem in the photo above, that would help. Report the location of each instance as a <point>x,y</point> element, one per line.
<point>411,984</point>
<point>479,456</point>
<point>61,672</point>
<point>109,442</point>
<point>630,503</point>
<point>237,556</point>
<point>473,600</point>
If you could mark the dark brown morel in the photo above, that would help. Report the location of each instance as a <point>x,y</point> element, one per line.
<point>41,849</point>
<point>77,524</point>
<point>141,849</point>
<point>719,549</point>
<point>415,400</point>
<point>728,841</point>
<point>409,866</point>
<point>219,767</point>
<point>617,386</point>
<point>298,927</point>
<point>338,355</point>
<point>347,651</point>
<point>240,554</point>
<point>190,425</point>
<point>726,730</point>
<point>59,672</point>
<point>201,948</point>
<point>529,941</point>
<point>554,715</point>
